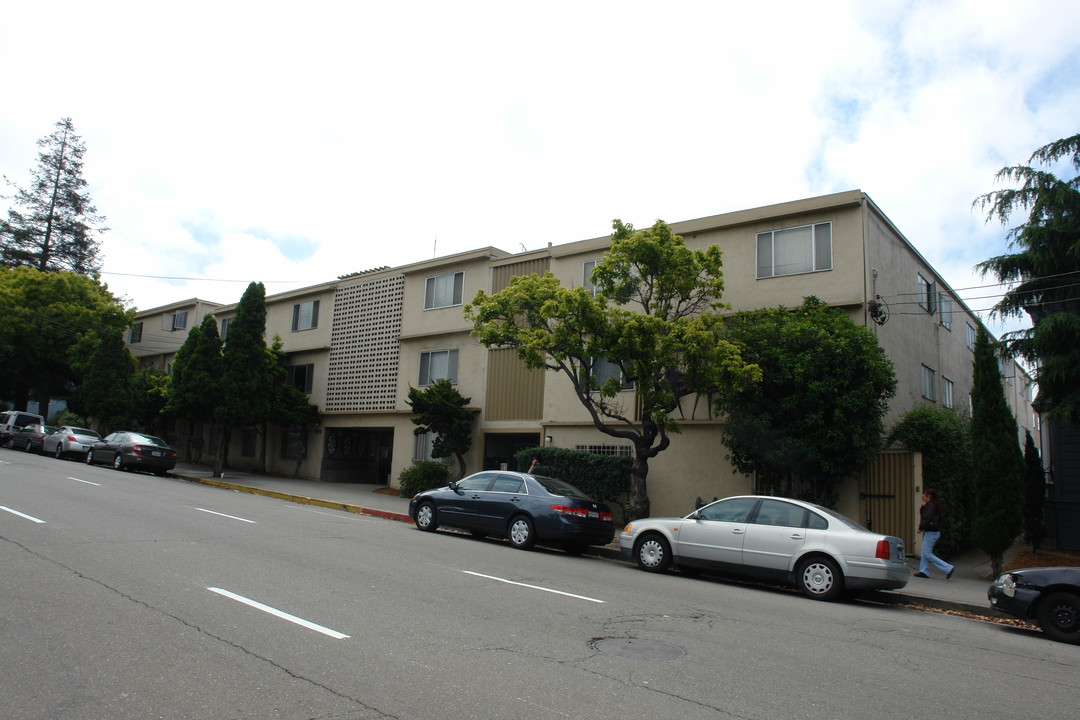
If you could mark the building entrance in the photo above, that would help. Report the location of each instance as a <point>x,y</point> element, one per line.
<point>357,455</point>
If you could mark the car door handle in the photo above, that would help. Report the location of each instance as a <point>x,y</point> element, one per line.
<point>796,536</point>
<point>476,497</point>
<point>737,531</point>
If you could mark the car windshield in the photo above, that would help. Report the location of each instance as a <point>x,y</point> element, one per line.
<point>559,487</point>
<point>147,440</point>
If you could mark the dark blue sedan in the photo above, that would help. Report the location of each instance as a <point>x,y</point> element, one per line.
<point>523,508</point>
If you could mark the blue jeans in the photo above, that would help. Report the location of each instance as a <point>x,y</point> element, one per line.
<point>929,539</point>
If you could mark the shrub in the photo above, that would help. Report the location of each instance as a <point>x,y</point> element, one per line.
<point>603,477</point>
<point>422,475</point>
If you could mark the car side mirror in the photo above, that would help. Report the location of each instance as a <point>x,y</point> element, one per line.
<point>453,485</point>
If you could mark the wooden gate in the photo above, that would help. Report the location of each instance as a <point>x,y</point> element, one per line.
<point>887,494</point>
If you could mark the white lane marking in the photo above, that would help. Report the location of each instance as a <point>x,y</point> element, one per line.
<point>83,481</point>
<point>278,613</point>
<point>340,514</point>
<point>22,515</point>
<point>532,587</point>
<point>227,516</point>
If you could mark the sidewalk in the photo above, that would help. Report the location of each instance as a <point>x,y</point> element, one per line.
<point>964,592</point>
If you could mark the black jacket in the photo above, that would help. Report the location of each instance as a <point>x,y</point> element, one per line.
<point>929,517</point>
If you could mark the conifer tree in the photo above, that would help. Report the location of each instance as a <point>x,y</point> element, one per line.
<point>246,377</point>
<point>53,222</point>
<point>997,463</point>
<point>196,380</point>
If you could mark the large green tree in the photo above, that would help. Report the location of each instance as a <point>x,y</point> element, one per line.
<point>997,463</point>
<point>943,439</point>
<point>44,315</point>
<point>195,391</point>
<point>106,388</point>
<point>441,409</point>
<point>1043,271</point>
<point>246,374</point>
<point>816,416</point>
<point>654,321</point>
<point>289,405</point>
<point>53,223</point>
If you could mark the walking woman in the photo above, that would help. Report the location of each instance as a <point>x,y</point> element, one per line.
<point>930,516</point>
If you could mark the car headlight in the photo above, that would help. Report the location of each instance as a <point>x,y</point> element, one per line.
<point>1007,583</point>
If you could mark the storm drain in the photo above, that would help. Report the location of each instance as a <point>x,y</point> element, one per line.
<point>634,649</point>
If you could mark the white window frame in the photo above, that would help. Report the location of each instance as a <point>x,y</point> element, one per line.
<point>586,275</point>
<point>305,316</point>
<point>177,321</point>
<point>444,290</point>
<point>926,294</point>
<point>929,383</point>
<point>945,310</point>
<point>970,339</point>
<point>422,449</point>
<point>815,249</point>
<point>135,334</point>
<point>600,368</point>
<point>947,388</point>
<point>430,377</point>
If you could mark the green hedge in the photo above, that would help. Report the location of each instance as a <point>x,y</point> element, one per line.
<point>422,475</point>
<point>604,477</point>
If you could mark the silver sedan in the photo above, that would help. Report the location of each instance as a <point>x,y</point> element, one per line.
<point>818,550</point>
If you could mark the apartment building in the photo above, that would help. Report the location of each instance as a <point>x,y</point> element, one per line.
<point>356,345</point>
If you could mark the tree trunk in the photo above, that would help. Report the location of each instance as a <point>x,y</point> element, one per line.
<point>639,497</point>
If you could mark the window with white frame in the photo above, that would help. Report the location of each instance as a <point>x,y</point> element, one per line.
<point>603,370</point>
<point>794,250</point>
<point>929,383</point>
<point>926,295</point>
<point>305,316</point>
<point>179,320</point>
<point>422,449</point>
<point>302,377</point>
<point>444,290</point>
<point>135,336</point>
<point>586,276</point>
<point>224,331</point>
<point>945,311</point>
<point>970,336</point>
<point>438,365</point>
<point>946,392</point>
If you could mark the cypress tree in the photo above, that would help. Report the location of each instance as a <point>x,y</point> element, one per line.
<point>997,462</point>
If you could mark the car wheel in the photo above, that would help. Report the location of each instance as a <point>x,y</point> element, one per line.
<point>118,462</point>
<point>425,517</point>
<point>653,553</point>
<point>819,578</point>
<point>89,457</point>
<point>521,534</point>
<point>59,452</point>
<point>1059,616</point>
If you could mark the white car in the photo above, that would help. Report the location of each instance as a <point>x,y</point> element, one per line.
<point>818,550</point>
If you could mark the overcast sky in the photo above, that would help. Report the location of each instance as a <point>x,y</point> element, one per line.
<point>290,143</point>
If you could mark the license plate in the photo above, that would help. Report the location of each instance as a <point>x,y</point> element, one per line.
<point>594,514</point>
<point>157,454</point>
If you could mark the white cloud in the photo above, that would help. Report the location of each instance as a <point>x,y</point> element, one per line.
<point>277,142</point>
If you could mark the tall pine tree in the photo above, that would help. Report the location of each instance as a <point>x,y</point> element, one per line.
<point>246,376</point>
<point>53,222</point>
<point>997,462</point>
<point>195,392</point>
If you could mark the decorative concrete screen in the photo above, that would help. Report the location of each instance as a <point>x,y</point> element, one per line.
<point>364,346</point>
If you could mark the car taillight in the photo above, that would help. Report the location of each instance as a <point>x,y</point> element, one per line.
<point>884,552</point>
<point>582,512</point>
<point>71,438</point>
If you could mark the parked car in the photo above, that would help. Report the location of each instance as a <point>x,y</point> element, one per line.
<point>127,450</point>
<point>12,420</point>
<point>29,438</point>
<point>1049,595</point>
<point>818,550</point>
<point>69,440</point>
<point>523,508</point>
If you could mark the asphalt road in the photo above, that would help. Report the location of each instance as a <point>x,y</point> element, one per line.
<point>130,596</point>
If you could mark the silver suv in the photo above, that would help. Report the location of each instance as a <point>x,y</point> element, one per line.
<point>12,420</point>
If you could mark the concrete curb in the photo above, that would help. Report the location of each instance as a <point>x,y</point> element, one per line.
<point>357,509</point>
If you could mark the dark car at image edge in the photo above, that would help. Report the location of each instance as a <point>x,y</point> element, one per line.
<point>127,450</point>
<point>523,508</point>
<point>1049,595</point>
